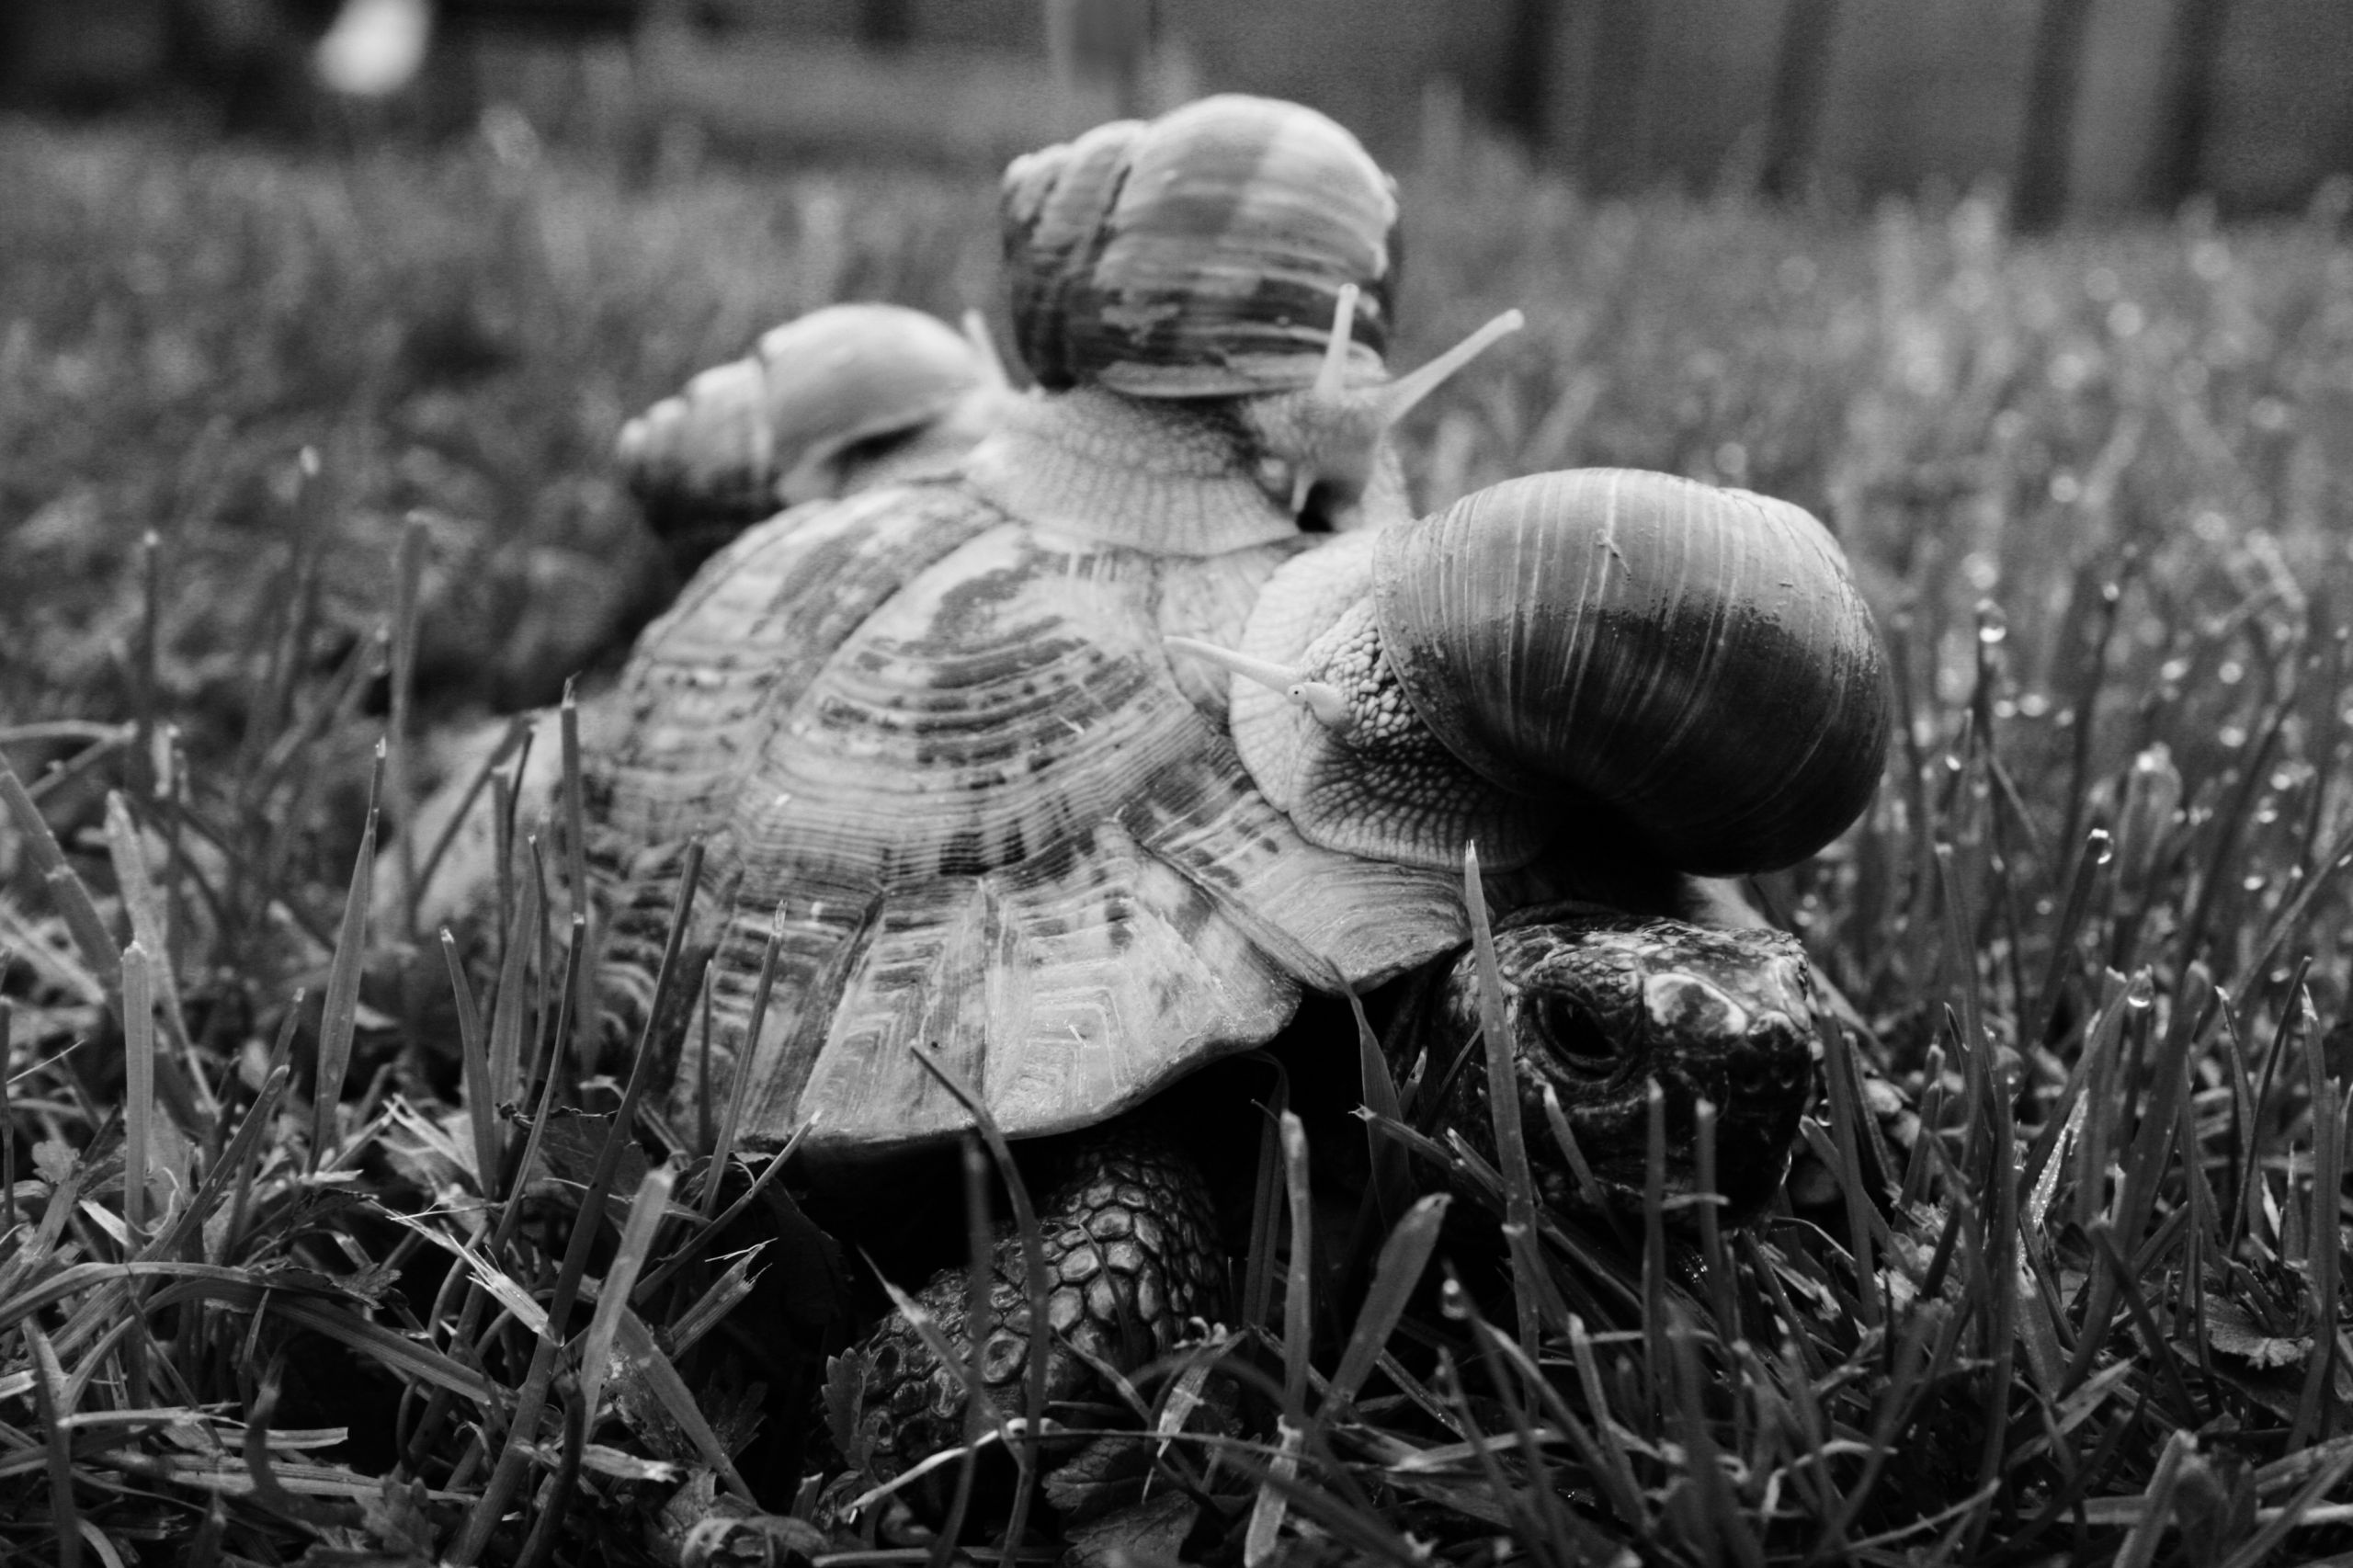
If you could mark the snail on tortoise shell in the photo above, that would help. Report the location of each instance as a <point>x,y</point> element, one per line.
<point>966,763</point>
<point>845,397</point>
<point>1217,283</point>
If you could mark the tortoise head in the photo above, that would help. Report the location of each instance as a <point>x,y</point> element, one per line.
<point>1600,1006</point>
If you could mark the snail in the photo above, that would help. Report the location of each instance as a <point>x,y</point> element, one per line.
<point>841,398</point>
<point>951,762</point>
<point>1689,663</point>
<point>1214,284</point>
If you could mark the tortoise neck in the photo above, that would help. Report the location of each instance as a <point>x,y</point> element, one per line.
<point>1169,476</point>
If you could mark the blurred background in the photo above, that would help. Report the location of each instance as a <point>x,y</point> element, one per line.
<point>2079,107</point>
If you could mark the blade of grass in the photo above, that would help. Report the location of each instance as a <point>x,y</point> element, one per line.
<point>1839,1071</point>
<point>522,1432</point>
<point>48,1391</point>
<point>1703,1459</point>
<point>722,1150</point>
<point>144,683</point>
<point>714,1226</point>
<point>508,1006</point>
<point>408,573</point>
<point>473,1071</point>
<point>647,1209</point>
<point>1299,1285</point>
<point>1503,1104</point>
<point>190,1098</point>
<point>338,1014</point>
<point>1588,1187</point>
<point>1655,1261</point>
<point>1027,1453</point>
<point>2313,1406</point>
<point>138,1119</point>
<point>517,729</point>
<point>7,1124</point>
<point>980,1322</point>
<point>1392,1186</point>
<point>575,861</point>
<point>1715,1261</point>
<point>2000,1246</point>
<point>139,1091</point>
<point>2265,1541</point>
<point>100,952</point>
<point>1404,1257</point>
<point>2096,853</point>
<point>539,1546</point>
<point>1265,1209</point>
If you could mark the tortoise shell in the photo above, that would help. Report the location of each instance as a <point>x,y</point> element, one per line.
<point>946,753</point>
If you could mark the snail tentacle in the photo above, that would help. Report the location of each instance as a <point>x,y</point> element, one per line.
<point>1323,703</point>
<point>1332,435</point>
<point>986,361</point>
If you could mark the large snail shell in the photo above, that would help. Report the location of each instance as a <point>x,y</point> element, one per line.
<point>1199,255</point>
<point>1601,650</point>
<point>842,397</point>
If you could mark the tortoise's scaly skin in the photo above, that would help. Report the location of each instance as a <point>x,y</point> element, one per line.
<point>1603,1005</point>
<point>1131,1255</point>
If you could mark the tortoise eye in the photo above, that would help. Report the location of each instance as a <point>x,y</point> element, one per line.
<point>1574,1035</point>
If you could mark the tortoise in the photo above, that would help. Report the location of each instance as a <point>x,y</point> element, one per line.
<point>1077,767</point>
<point>949,755</point>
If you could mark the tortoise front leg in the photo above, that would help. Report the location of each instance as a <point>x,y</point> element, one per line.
<point>1130,1239</point>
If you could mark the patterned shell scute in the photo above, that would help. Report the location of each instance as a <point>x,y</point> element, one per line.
<point>1199,255</point>
<point>945,754</point>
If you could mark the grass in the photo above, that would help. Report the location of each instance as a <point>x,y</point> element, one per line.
<point>2096,917</point>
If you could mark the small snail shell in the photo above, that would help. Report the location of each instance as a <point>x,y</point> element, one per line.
<point>830,402</point>
<point>1199,255</point>
<point>1595,652</point>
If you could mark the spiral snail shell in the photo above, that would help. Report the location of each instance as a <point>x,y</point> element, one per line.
<point>1599,651</point>
<point>842,397</point>
<point>1199,255</point>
